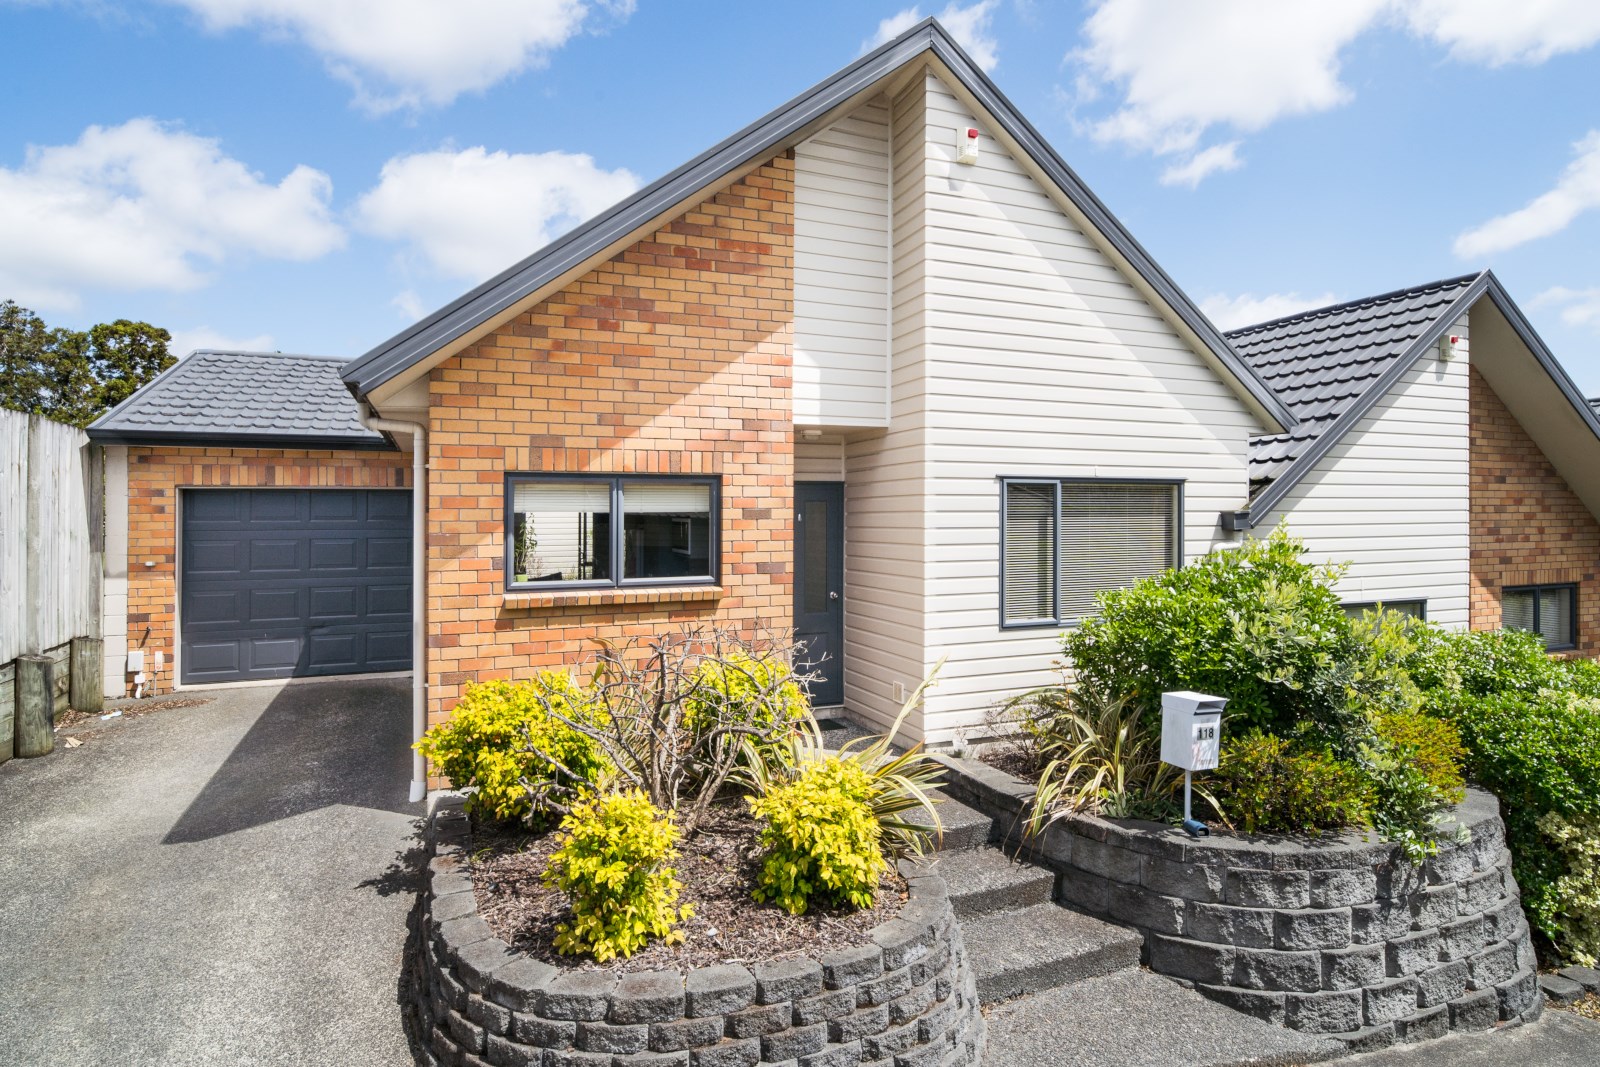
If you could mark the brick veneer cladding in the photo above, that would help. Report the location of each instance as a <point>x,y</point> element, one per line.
<point>156,476</point>
<point>1528,528</point>
<point>906,998</point>
<point>673,357</point>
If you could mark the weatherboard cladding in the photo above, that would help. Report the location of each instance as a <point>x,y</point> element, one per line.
<point>758,141</point>
<point>260,396</point>
<point>1321,362</point>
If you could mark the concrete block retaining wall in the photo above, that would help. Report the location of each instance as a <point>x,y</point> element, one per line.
<point>1338,935</point>
<point>907,998</point>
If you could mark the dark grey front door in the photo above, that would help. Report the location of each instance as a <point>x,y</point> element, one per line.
<point>284,583</point>
<point>819,585</point>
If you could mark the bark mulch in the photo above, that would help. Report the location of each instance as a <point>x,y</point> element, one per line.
<point>131,709</point>
<point>717,868</point>
<point>1011,760</point>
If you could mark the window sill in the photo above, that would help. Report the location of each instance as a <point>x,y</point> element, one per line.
<point>533,600</point>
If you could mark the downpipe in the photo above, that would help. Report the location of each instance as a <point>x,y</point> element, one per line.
<point>419,590</point>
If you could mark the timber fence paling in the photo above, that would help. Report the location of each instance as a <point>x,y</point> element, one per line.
<point>51,548</point>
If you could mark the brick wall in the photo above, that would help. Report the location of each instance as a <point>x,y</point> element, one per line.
<point>155,476</point>
<point>673,357</point>
<point>1527,527</point>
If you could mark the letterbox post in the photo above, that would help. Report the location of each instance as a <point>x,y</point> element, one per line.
<point>1191,738</point>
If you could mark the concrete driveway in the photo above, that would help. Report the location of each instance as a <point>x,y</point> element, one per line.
<point>224,884</point>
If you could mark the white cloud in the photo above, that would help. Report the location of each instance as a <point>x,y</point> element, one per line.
<point>1579,307</point>
<point>1247,309</point>
<point>409,304</point>
<point>204,338</point>
<point>409,53</point>
<point>474,212</point>
<point>1200,166</point>
<point>147,206</point>
<point>1576,191</point>
<point>1494,32</point>
<point>1174,71</point>
<point>968,25</point>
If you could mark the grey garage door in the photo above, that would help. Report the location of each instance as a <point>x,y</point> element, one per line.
<point>286,583</point>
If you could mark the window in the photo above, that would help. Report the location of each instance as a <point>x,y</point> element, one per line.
<point>568,531</point>
<point>1063,541</point>
<point>1417,609</point>
<point>1548,610</point>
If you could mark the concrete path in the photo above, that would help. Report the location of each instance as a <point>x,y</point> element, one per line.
<point>1560,1039</point>
<point>225,884</point>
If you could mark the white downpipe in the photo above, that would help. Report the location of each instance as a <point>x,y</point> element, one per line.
<point>419,585</point>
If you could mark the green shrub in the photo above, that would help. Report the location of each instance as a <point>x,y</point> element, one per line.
<point>1540,754</point>
<point>503,744</point>
<point>821,838</point>
<point>744,688</point>
<point>1267,784</point>
<point>1258,625</point>
<point>612,866</point>
<point>1574,897</point>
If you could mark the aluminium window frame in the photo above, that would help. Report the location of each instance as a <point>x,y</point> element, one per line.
<point>1373,605</point>
<point>1056,620</point>
<point>617,521</point>
<point>1571,589</point>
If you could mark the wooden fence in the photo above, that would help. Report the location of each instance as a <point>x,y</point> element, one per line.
<point>52,546</point>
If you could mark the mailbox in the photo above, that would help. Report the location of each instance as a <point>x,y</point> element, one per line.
<point>1191,730</point>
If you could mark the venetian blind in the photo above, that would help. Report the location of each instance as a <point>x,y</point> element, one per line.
<point>544,498</point>
<point>1111,536</point>
<point>665,498</point>
<point>1030,535</point>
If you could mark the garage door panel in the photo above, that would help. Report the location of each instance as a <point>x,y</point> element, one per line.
<point>282,583</point>
<point>335,602</point>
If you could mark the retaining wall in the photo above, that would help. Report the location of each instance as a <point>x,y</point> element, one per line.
<point>1338,935</point>
<point>907,998</point>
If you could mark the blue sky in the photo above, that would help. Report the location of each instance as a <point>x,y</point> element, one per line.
<point>311,175</point>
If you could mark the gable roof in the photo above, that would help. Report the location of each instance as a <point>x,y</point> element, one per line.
<point>256,398</point>
<point>1333,364</point>
<point>1322,362</point>
<point>783,127</point>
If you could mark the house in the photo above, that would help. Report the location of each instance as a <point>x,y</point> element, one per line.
<point>1442,451</point>
<point>878,367</point>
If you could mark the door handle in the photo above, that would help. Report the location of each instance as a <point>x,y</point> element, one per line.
<point>833,596</point>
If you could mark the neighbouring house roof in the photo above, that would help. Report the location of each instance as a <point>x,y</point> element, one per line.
<point>242,398</point>
<point>1322,362</point>
<point>473,312</point>
<point>1331,365</point>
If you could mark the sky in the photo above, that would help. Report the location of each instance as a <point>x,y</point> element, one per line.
<point>314,175</point>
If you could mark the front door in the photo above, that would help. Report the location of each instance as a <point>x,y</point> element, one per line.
<point>819,586</point>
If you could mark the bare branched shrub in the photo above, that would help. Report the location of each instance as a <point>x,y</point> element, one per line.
<point>679,713</point>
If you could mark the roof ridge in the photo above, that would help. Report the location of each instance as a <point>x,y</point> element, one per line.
<point>1328,309</point>
<point>271,355</point>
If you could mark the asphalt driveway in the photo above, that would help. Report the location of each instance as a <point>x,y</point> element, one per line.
<point>223,884</point>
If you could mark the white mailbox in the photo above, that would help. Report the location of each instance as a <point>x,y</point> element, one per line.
<point>1191,730</point>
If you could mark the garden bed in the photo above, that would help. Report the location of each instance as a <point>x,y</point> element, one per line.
<point>1338,934</point>
<point>902,993</point>
<point>717,867</point>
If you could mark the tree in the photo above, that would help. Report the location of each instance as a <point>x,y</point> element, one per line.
<point>73,376</point>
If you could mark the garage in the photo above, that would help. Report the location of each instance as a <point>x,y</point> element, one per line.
<point>293,583</point>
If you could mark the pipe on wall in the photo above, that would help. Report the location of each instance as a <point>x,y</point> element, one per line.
<point>419,585</point>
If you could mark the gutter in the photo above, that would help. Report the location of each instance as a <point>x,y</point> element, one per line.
<point>419,576</point>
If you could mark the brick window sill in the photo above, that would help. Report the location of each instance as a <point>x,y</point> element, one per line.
<point>525,600</point>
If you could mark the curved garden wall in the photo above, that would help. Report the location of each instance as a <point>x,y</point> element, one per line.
<point>1338,935</point>
<point>907,998</point>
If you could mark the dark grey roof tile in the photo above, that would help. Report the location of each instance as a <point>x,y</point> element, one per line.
<point>226,395</point>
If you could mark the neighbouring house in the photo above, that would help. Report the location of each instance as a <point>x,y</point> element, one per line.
<point>1442,451</point>
<point>878,368</point>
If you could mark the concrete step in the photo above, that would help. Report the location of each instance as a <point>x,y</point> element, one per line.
<point>964,827</point>
<point>983,880</point>
<point>1138,1019</point>
<point>1045,946</point>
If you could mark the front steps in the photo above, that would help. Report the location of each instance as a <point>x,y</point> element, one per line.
<point>1061,987</point>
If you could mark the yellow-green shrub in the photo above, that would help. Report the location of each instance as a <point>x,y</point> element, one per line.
<point>488,744</point>
<point>1271,785</point>
<point>612,865</point>
<point>821,838</point>
<point>1575,896</point>
<point>1432,746</point>
<point>745,689</point>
